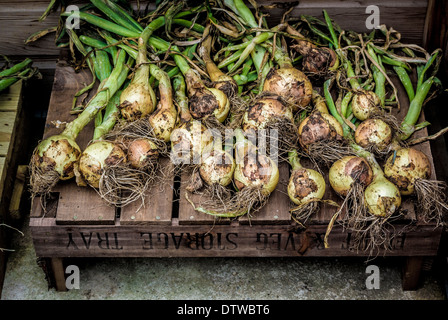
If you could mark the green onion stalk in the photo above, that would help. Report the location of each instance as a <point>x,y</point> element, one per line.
<point>255,177</point>
<point>365,103</point>
<point>11,75</point>
<point>54,158</point>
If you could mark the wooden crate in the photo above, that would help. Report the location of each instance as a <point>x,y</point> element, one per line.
<point>77,223</point>
<point>10,117</point>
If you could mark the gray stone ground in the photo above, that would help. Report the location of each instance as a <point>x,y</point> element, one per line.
<point>211,278</point>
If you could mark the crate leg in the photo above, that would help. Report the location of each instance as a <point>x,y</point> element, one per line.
<point>411,273</point>
<point>57,267</point>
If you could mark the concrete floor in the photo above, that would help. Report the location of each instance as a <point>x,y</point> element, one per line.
<point>212,278</point>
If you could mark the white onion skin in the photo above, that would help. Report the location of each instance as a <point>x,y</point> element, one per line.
<point>291,84</point>
<point>365,104</point>
<point>409,165</point>
<point>254,170</point>
<point>57,153</point>
<point>348,170</point>
<point>382,198</point>
<point>305,185</point>
<point>373,132</point>
<point>217,168</point>
<point>96,157</point>
<point>190,140</point>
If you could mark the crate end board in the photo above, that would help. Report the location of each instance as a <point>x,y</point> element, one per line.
<point>51,240</point>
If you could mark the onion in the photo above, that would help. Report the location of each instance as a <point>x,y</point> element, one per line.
<point>405,167</point>
<point>253,169</point>
<point>316,59</point>
<point>321,136</point>
<point>204,101</point>
<point>374,134</point>
<point>305,185</point>
<point>142,153</point>
<point>96,157</point>
<point>348,171</point>
<point>265,111</point>
<point>57,154</point>
<point>382,197</point>
<point>164,118</point>
<point>365,104</point>
<point>217,168</point>
<point>291,84</point>
<point>138,99</point>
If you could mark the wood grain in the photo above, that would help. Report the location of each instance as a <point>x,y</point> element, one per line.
<point>406,16</point>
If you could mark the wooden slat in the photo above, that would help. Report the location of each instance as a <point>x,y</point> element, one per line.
<point>11,103</point>
<point>7,120</point>
<point>158,204</point>
<point>82,205</point>
<point>406,16</point>
<point>51,240</point>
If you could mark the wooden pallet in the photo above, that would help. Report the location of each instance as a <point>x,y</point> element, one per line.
<point>77,223</point>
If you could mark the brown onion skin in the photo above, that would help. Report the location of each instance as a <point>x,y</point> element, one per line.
<point>291,84</point>
<point>319,127</point>
<point>141,152</point>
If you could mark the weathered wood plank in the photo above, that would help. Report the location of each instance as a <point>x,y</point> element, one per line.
<point>158,205</point>
<point>51,240</point>
<point>406,16</point>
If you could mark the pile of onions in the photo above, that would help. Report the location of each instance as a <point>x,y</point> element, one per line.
<point>255,176</point>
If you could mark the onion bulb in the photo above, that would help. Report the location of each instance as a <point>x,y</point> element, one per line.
<point>96,157</point>
<point>142,153</point>
<point>163,119</point>
<point>365,104</point>
<point>57,154</point>
<point>291,84</point>
<point>265,111</point>
<point>138,99</point>
<point>382,197</point>
<point>253,169</point>
<point>305,185</point>
<point>347,171</point>
<point>218,167</point>
<point>189,141</point>
<point>405,167</point>
<point>316,59</point>
<point>374,134</point>
<point>204,101</point>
